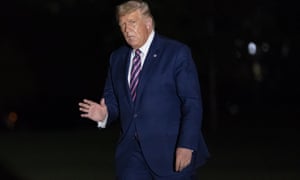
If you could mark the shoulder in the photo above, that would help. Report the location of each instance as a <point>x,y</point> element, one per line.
<point>121,51</point>
<point>120,54</point>
<point>171,44</point>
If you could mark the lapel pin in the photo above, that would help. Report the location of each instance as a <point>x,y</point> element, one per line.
<point>154,55</point>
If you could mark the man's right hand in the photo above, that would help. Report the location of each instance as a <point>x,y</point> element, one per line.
<point>92,110</point>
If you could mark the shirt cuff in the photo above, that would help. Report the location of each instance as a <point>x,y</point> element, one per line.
<point>102,124</point>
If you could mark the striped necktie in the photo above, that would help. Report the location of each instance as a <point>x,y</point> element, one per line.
<point>134,75</point>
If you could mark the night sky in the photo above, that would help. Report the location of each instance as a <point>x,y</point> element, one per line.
<point>54,53</point>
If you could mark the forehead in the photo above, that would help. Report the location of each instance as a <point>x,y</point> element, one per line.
<point>130,16</point>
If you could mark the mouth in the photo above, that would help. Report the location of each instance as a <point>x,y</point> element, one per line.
<point>130,38</point>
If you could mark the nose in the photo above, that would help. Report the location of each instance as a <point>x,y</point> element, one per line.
<point>126,29</point>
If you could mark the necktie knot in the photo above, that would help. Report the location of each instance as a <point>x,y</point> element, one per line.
<point>138,52</point>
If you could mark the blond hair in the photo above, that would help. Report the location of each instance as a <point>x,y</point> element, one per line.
<point>131,6</point>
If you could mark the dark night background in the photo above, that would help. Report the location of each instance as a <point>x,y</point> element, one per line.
<point>54,53</point>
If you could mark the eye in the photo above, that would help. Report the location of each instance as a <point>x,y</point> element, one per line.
<point>132,22</point>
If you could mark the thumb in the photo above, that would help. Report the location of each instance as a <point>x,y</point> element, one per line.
<point>102,102</point>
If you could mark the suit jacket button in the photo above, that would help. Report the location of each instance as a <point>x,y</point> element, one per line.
<point>135,115</point>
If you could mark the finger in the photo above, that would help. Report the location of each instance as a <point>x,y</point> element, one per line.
<point>177,165</point>
<point>188,160</point>
<point>83,105</point>
<point>84,115</point>
<point>102,102</point>
<point>89,102</point>
<point>84,110</point>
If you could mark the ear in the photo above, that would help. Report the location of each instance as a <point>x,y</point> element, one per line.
<point>149,23</point>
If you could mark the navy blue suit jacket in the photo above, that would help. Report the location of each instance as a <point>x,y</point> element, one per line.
<point>168,108</point>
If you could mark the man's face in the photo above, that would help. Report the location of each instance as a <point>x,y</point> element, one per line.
<point>135,28</point>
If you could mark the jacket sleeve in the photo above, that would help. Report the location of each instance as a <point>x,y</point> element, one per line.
<point>188,89</point>
<point>109,96</point>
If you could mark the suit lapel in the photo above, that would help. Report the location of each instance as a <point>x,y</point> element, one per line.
<point>148,67</point>
<point>125,66</point>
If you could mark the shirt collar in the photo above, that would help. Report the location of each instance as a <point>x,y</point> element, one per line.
<point>144,48</point>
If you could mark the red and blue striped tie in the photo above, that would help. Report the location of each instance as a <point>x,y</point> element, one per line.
<point>134,75</point>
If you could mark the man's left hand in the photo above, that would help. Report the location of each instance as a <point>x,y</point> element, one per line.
<point>183,158</point>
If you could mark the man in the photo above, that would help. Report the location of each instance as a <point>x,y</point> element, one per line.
<point>152,87</point>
